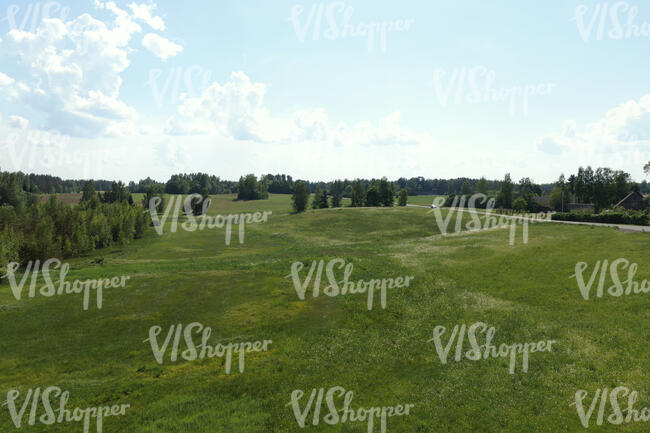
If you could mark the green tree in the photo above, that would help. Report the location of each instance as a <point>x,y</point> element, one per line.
<point>386,192</point>
<point>372,197</point>
<point>520,204</point>
<point>403,197</point>
<point>323,200</point>
<point>646,168</point>
<point>300,196</point>
<point>528,191</point>
<point>504,198</point>
<point>315,202</point>
<point>482,186</point>
<point>337,193</point>
<point>358,194</point>
<point>88,191</point>
<point>152,192</point>
<point>466,189</point>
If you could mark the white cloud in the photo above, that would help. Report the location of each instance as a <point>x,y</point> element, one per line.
<point>144,12</point>
<point>236,110</point>
<point>5,80</point>
<point>75,68</point>
<point>160,47</point>
<point>619,140</point>
<point>72,68</point>
<point>18,122</point>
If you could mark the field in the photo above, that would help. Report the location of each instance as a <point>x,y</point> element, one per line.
<point>242,292</point>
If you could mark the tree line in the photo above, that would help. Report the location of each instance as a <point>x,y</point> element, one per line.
<point>31,230</point>
<point>380,192</point>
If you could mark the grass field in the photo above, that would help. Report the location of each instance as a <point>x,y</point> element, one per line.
<point>242,293</point>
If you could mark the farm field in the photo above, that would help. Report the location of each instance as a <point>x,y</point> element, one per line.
<point>243,293</point>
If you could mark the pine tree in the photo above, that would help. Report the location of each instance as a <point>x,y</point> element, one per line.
<point>323,200</point>
<point>300,196</point>
<point>358,194</point>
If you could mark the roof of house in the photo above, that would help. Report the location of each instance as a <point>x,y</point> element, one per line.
<point>628,196</point>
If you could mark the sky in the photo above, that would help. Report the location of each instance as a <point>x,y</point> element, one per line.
<point>323,90</point>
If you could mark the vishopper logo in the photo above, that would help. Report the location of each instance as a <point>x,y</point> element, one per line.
<point>339,25</point>
<point>63,287</point>
<point>462,205</point>
<point>19,16</point>
<point>614,21</point>
<point>178,83</point>
<point>30,150</point>
<point>618,415</point>
<point>477,85</point>
<point>49,416</point>
<point>202,350</point>
<point>343,286</point>
<point>487,350</point>
<point>619,288</point>
<point>340,412</point>
<point>191,224</point>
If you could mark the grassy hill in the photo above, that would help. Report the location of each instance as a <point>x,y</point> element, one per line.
<point>242,292</point>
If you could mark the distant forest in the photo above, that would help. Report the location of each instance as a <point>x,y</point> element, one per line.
<point>275,183</point>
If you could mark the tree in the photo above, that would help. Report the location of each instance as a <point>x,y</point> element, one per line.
<point>198,207</point>
<point>117,194</point>
<point>403,197</point>
<point>560,195</point>
<point>646,168</point>
<point>466,189</point>
<point>482,186</point>
<point>358,194</point>
<point>386,192</point>
<point>520,204</point>
<point>322,200</point>
<point>89,191</point>
<point>504,198</point>
<point>154,191</point>
<point>528,191</point>
<point>315,202</point>
<point>300,196</point>
<point>337,193</point>
<point>372,197</point>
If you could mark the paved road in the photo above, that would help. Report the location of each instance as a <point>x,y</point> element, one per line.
<point>621,227</point>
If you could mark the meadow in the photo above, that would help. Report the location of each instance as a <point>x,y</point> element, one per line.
<point>242,292</point>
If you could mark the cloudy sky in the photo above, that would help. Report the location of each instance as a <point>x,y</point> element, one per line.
<point>322,90</point>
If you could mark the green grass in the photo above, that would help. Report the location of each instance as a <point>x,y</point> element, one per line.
<point>242,293</point>
<point>424,200</point>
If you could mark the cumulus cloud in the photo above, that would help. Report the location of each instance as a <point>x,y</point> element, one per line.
<point>620,138</point>
<point>160,47</point>
<point>144,13</point>
<point>236,110</point>
<point>18,122</point>
<point>72,68</point>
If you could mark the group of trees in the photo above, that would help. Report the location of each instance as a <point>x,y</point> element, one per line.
<point>46,184</point>
<point>603,188</point>
<point>30,230</point>
<point>249,188</point>
<point>380,192</point>
<point>196,183</point>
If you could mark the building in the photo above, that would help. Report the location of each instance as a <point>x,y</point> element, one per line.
<point>633,200</point>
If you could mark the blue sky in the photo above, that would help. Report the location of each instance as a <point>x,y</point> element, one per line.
<point>130,89</point>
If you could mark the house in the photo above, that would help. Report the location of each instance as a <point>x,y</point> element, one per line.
<point>633,200</point>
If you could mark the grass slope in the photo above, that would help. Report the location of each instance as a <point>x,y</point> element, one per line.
<point>242,293</point>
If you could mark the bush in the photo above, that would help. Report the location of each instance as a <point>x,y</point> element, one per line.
<point>608,217</point>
